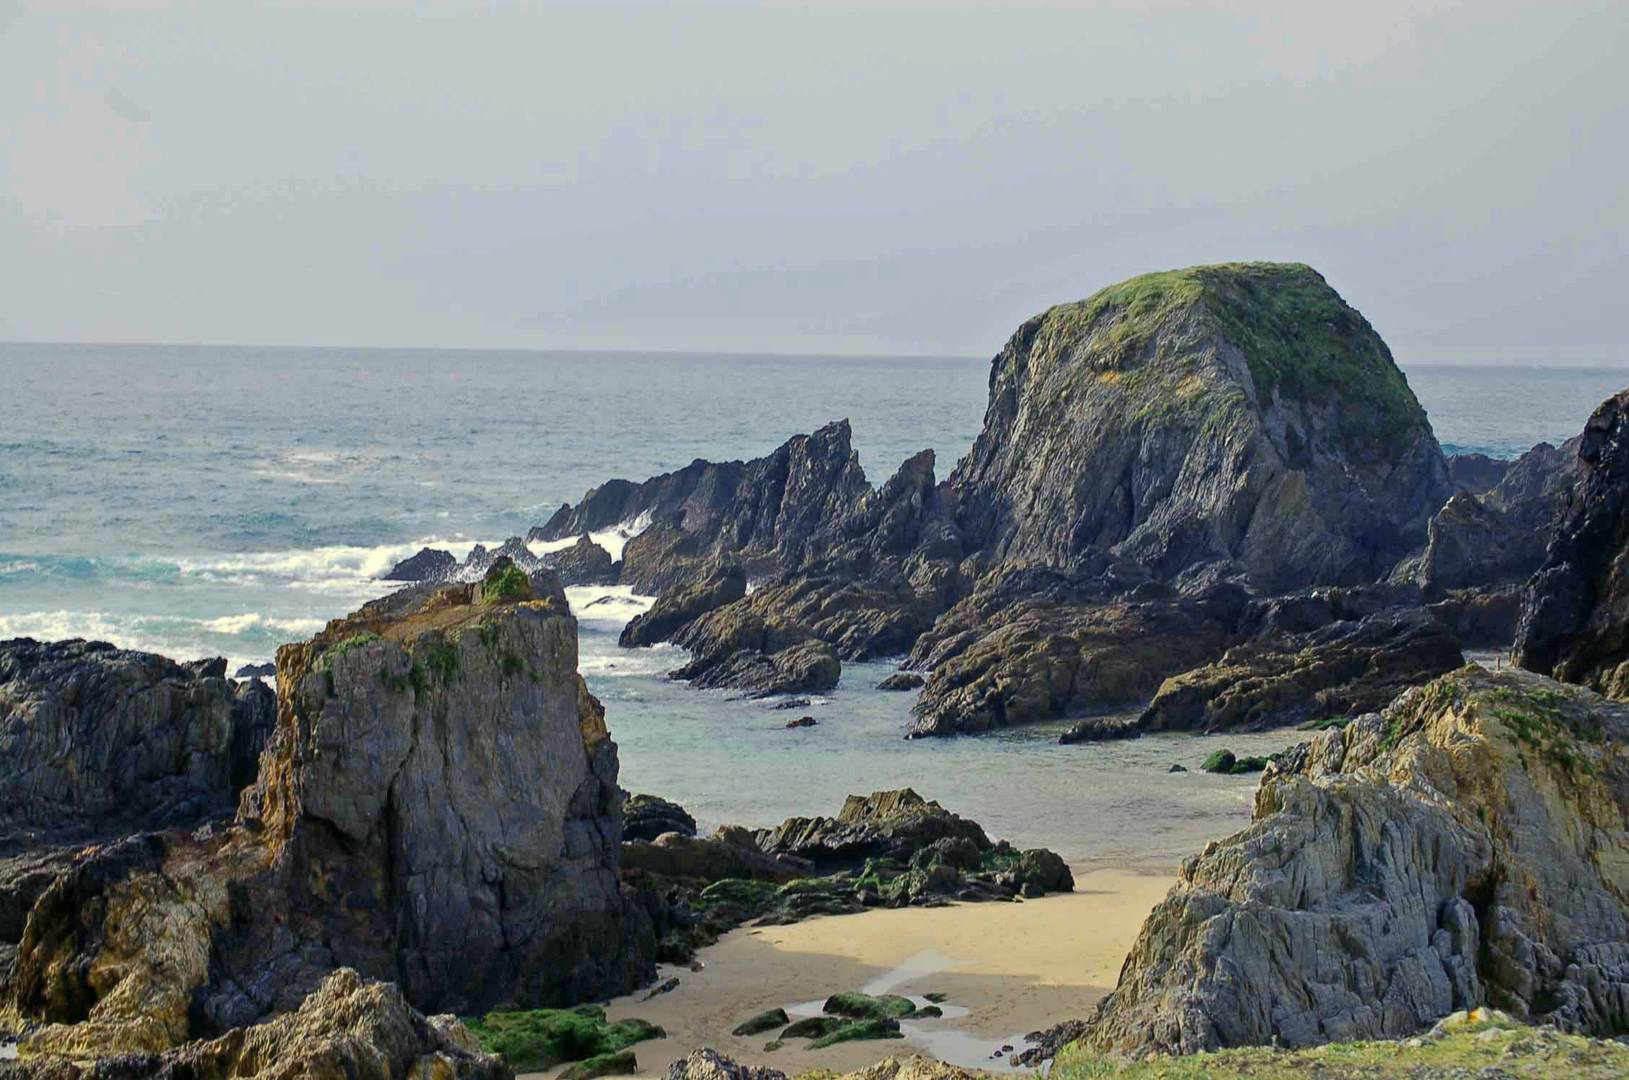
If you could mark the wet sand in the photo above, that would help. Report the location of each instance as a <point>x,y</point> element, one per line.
<point>1006,968</point>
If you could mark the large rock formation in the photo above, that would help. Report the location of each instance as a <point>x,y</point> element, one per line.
<point>1466,846</point>
<point>1575,616</point>
<point>348,1029</point>
<point>1238,413</point>
<point>437,807</point>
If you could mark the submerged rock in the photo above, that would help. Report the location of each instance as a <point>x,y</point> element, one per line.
<point>1464,847</point>
<point>902,680</point>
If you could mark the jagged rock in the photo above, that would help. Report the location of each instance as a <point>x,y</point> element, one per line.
<point>1484,617</point>
<point>1100,729</point>
<point>1465,847</point>
<point>707,1064</point>
<point>1575,616</point>
<point>1500,535</point>
<point>801,667</point>
<point>645,817</point>
<point>1190,417</point>
<point>99,740</point>
<point>583,563</point>
<point>255,671</point>
<point>437,806</point>
<point>347,1029</point>
<point>1476,473</point>
<point>883,825</point>
<point>1035,660</point>
<point>681,605</point>
<point>430,564</point>
<point>902,680</point>
<point>1342,669</point>
<point>709,858</point>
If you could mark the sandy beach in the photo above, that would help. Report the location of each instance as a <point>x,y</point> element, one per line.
<point>1006,969</point>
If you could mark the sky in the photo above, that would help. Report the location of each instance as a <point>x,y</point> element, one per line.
<point>905,178</point>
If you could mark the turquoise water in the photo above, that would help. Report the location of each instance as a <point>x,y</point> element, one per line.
<point>208,501</point>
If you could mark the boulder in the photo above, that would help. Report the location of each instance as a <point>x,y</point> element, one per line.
<point>902,680</point>
<point>348,1029</point>
<point>645,817</point>
<point>430,564</point>
<point>1575,615</point>
<point>678,607</point>
<point>583,563</point>
<point>1464,847</point>
<point>706,1064</point>
<point>437,806</point>
<point>1189,417</point>
<point>883,825</point>
<point>1342,669</point>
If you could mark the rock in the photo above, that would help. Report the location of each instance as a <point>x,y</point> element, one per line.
<point>1476,473</point>
<point>764,1021</point>
<point>1484,617</point>
<point>708,1064</point>
<point>1038,660</point>
<point>883,825</point>
<point>256,671</point>
<point>1043,871</point>
<point>1575,615</point>
<point>1200,398</point>
<point>791,703</point>
<point>901,680</point>
<point>437,806</point>
<point>708,858</point>
<point>1219,761</point>
<point>801,722</point>
<point>645,817</point>
<point>617,1063</point>
<point>680,606</point>
<point>1460,849</point>
<point>1100,729</point>
<point>583,563</point>
<point>430,564</point>
<point>1177,768</point>
<point>1341,669</point>
<point>768,664</point>
<point>348,1028</point>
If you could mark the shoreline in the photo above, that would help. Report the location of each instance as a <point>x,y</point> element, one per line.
<point>1006,970</point>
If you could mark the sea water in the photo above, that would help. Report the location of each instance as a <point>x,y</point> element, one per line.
<point>221,501</point>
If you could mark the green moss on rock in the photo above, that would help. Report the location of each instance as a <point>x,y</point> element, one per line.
<point>533,1039</point>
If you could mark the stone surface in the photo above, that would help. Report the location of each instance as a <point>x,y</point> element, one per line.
<point>645,817</point>
<point>429,564</point>
<point>347,1029</point>
<point>1204,402</point>
<point>1467,846</point>
<point>681,605</point>
<point>583,563</point>
<point>438,806</point>
<point>1575,615</point>
<point>882,825</point>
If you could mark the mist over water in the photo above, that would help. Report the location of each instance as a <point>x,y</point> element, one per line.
<point>204,501</point>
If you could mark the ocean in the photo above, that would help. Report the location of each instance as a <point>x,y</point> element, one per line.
<point>204,501</point>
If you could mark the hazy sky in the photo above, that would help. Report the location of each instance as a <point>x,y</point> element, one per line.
<point>803,178</point>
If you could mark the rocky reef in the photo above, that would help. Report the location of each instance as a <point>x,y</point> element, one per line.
<point>437,807</point>
<point>1575,613</point>
<point>1464,847</point>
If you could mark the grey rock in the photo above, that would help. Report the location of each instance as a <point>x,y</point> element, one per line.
<point>645,817</point>
<point>429,564</point>
<point>883,825</point>
<point>583,563</point>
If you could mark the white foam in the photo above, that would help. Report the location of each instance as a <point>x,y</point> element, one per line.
<point>610,606</point>
<point>249,638</point>
<point>612,540</point>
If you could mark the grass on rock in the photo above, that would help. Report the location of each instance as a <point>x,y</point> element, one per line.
<point>533,1039</point>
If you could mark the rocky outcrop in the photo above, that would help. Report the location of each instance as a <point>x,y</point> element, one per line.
<point>681,605</point>
<point>735,647</point>
<point>347,1029</point>
<point>437,806</point>
<point>1343,669</point>
<point>1499,535</point>
<point>882,825</point>
<point>1466,846</point>
<point>1240,414</point>
<point>1575,615</point>
<point>1476,473</point>
<point>1040,656</point>
<point>583,563</point>
<point>99,740</point>
<point>645,817</point>
<point>429,564</point>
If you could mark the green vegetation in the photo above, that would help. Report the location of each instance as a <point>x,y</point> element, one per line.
<point>737,892</point>
<point>1442,694</point>
<point>442,660</point>
<point>857,1006</point>
<point>1224,761</point>
<point>812,1027</point>
<point>1487,1049</point>
<point>1538,719</point>
<point>621,1063</point>
<point>1300,340</point>
<point>875,1028</point>
<point>343,648</point>
<point>506,583</point>
<point>1326,723</point>
<point>768,1020</point>
<point>535,1039</point>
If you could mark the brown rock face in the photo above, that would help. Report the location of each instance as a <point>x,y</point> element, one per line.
<point>1467,846</point>
<point>1575,616</point>
<point>438,807</point>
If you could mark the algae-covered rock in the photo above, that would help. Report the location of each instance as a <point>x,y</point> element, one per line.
<point>1241,412</point>
<point>1465,847</point>
<point>768,1020</point>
